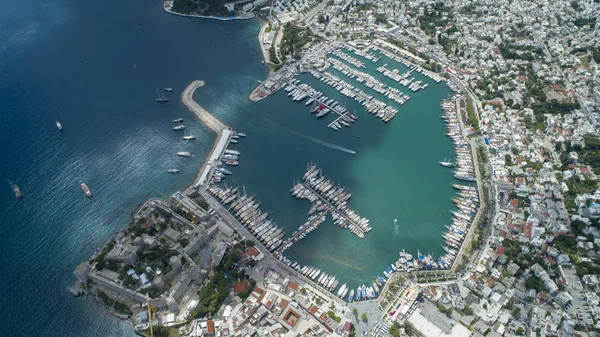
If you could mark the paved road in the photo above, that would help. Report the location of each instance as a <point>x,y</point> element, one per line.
<point>312,14</point>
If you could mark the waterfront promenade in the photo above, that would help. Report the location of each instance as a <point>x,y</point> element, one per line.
<point>461,113</point>
<point>466,245</point>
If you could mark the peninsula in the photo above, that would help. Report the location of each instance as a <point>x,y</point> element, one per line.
<point>522,249</point>
<point>211,9</point>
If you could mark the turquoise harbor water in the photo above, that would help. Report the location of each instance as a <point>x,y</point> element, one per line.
<point>393,175</point>
<point>96,70</point>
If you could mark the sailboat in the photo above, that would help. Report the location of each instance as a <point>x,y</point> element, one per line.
<point>186,137</point>
<point>446,163</point>
<point>160,98</point>
<point>178,127</point>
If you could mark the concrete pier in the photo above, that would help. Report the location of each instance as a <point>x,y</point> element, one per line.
<point>334,209</point>
<point>187,97</point>
<point>295,237</point>
<point>321,102</point>
<point>223,132</point>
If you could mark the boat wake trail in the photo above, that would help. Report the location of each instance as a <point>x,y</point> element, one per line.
<point>328,144</point>
<point>324,143</point>
<point>311,138</point>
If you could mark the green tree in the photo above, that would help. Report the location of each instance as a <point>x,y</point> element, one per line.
<point>407,328</point>
<point>161,331</point>
<point>394,331</point>
<point>536,283</point>
<point>380,18</point>
<point>332,315</point>
<point>468,311</point>
<point>364,317</point>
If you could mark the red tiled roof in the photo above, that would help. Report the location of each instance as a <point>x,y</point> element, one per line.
<point>252,251</point>
<point>527,229</point>
<point>239,287</point>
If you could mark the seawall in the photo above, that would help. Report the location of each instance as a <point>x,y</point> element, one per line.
<point>223,132</point>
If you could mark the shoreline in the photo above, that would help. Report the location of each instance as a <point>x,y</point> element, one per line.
<point>219,18</point>
<point>187,97</point>
<point>253,96</point>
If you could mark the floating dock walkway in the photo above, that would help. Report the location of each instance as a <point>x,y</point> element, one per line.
<point>313,223</point>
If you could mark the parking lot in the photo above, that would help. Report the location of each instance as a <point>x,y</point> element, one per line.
<point>579,308</point>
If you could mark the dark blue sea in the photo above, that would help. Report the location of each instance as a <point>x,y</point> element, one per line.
<point>96,66</point>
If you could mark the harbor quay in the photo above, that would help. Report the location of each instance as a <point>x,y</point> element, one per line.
<point>459,234</point>
<point>283,264</point>
<point>272,260</point>
<point>202,225</point>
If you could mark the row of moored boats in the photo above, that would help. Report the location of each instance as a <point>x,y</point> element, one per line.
<point>352,60</point>
<point>321,104</point>
<point>230,157</point>
<point>466,201</point>
<point>313,222</point>
<point>326,197</point>
<point>331,282</point>
<point>247,210</point>
<point>370,82</point>
<point>403,79</point>
<point>373,105</point>
<point>396,58</point>
<point>363,53</point>
<point>464,169</point>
